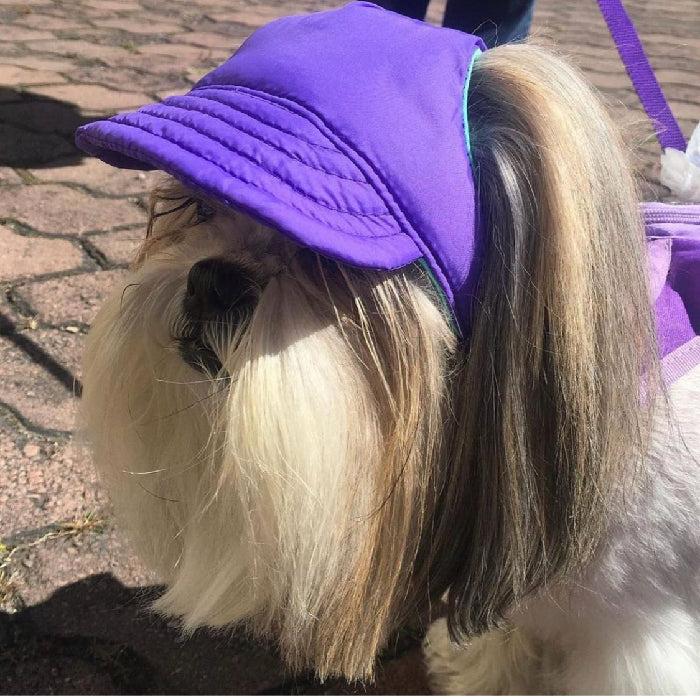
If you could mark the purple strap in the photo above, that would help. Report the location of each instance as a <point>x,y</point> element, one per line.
<point>642,74</point>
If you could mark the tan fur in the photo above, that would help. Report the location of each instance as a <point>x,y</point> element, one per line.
<point>549,417</point>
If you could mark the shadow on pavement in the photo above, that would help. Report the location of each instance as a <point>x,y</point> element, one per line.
<point>96,636</point>
<point>36,354</point>
<point>36,130</point>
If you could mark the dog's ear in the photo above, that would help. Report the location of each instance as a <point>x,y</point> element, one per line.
<point>549,414</point>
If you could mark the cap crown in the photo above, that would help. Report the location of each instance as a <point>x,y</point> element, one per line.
<point>392,89</point>
<point>345,129</point>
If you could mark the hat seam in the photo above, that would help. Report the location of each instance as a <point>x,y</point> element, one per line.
<point>134,153</point>
<point>249,158</point>
<point>248,92</point>
<point>267,142</point>
<point>422,246</point>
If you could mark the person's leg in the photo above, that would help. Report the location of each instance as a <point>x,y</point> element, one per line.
<point>495,21</point>
<point>411,8</point>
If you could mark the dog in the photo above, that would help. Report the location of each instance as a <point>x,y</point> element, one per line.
<point>346,378</point>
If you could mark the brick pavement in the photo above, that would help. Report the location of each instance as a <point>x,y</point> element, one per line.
<point>71,595</point>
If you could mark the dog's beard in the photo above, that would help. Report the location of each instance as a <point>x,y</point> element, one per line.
<point>273,463</point>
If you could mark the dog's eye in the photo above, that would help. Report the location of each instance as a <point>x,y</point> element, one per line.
<point>204,212</point>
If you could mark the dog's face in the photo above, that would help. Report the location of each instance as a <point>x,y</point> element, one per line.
<point>267,421</point>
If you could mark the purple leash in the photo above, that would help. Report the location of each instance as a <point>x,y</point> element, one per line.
<point>642,74</point>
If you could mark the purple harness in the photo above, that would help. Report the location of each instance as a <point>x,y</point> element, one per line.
<point>673,239</point>
<point>673,231</point>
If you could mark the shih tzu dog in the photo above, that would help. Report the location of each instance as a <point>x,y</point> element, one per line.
<point>389,338</point>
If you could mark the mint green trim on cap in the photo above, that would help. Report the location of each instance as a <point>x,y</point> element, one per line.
<point>423,264</point>
<point>421,261</point>
<point>475,55</point>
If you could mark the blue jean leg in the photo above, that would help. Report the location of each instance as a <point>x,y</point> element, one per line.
<point>495,21</point>
<point>415,9</point>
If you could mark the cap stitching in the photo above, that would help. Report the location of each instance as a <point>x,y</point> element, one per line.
<point>249,158</point>
<point>259,138</point>
<point>134,153</point>
<point>248,93</point>
<point>417,240</point>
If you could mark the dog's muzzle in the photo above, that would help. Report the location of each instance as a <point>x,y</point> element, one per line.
<point>219,297</point>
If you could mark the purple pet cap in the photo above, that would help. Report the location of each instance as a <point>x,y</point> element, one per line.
<point>345,130</point>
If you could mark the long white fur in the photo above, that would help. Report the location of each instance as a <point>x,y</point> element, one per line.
<point>251,499</point>
<point>631,623</point>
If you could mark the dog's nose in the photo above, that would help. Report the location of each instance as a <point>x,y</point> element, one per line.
<point>216,286</point>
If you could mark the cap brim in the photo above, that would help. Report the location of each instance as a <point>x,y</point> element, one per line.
<point>268,157</point>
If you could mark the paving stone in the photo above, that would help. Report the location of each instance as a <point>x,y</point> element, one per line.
<point>254,15</point>
<point>138,26</point>
<point>41,63</point>
<point>194,74</point>
<point>185,52</point>
<point>24,3</point>
<point>100,608</point>
<point>113,5</point>
<point>162,71</point>
<point>23,149</point>
<point>48,23</point>
<point>243,17</point>
<point>8,95</point>
<point>71,299</point>
<point>61,209</point>
<point>21,34</point>
<point>95,98</point>
<point>36,113</point>
<point>687,114</point>
<point>85,51</point>
<point>15,75</point>
<point>8,176</point>
<point>59,561</point>
<point>164,94</point>
<point>36,376</point>
<point>24,255</point>
<point>97,176</point>
<point>55,673</point>
<point>209,40</point>
<point>43,480</point>
<point>119,247</point>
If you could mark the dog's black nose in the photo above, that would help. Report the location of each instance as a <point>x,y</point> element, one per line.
<point>215,287</point>
<point>218,292</point>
